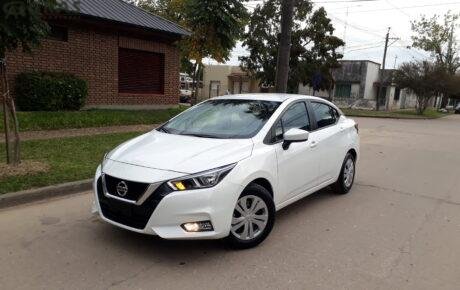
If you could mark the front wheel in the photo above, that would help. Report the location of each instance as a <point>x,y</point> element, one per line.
<point>346,179</point>
<point>253,218</point>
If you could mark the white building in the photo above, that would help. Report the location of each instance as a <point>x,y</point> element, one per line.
<point>357,84</point>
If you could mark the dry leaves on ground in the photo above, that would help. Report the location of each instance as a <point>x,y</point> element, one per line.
<point>25,168</point>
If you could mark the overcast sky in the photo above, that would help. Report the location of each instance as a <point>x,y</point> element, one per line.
<point>368,22</point>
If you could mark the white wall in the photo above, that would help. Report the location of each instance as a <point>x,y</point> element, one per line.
<point>372,76</point>
<point>308,91</point>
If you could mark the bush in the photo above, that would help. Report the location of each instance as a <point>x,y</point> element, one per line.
<point>46,91</point>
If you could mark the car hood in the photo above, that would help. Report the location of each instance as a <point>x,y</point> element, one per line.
<point>182,154</point>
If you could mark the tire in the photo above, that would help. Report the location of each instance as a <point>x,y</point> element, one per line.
<point>243,219</point>
<point>346,179</point>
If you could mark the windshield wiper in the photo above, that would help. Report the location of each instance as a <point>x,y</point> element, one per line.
<point>164,130</point>
<point>200,135</point>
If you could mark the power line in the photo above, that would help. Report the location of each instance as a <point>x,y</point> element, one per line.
<point>405,7</point>
<point>355,26</point>
<point>400,10</point>
<point>364,48</point>
<point>343,1</point>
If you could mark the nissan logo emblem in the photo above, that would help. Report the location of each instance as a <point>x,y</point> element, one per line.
<point>122,188</point>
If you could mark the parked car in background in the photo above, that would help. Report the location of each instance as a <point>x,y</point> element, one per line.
<point>457,109</point>
<point>223,168</point>
<point>186,88</point>
<point>185,96</point>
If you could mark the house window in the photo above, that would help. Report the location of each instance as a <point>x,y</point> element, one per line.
<point>140,72</point>
<point>343,91</point>
<point>397,94</point>
<point>58,33</point>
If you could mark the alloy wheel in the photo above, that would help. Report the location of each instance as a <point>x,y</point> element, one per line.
<point>250,217</point>
<point>349,172</point>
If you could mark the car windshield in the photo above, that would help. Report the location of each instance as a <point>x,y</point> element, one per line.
<point>223,119</point>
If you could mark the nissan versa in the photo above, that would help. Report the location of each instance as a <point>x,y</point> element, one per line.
<point>222,168</point>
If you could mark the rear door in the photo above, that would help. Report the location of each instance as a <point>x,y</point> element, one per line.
<point>298,165</point>
<point>329,138</point>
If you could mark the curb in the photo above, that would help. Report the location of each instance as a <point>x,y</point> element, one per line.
<point>27,196</point>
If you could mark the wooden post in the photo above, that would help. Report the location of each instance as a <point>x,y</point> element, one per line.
<point>10,120</point>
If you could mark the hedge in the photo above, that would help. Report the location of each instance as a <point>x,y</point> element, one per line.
<point>49,91</point>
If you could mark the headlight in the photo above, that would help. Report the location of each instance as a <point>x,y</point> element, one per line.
<point>201,180</point>
<point>104,159</point>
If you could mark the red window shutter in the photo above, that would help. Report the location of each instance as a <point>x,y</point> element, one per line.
<point>140,72</point>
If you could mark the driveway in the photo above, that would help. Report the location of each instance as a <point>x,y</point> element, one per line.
<point>398,229</point>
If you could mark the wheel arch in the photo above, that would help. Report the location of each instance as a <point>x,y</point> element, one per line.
<point>353,153</point>
<point>265,183</point>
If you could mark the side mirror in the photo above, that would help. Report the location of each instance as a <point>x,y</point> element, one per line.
<point>294,136</point>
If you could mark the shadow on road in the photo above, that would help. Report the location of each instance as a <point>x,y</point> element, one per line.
<point>182,252</point>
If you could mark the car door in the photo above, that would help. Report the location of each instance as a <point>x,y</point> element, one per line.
<point>298,165</point>
<point>328,137</point>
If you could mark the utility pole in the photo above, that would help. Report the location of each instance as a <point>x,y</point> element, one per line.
<point>396,60</point>
<point>345,28</point>
<point>387,38</point>
<point>284,51</point>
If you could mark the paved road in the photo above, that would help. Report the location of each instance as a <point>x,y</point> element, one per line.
<point>398,229</point>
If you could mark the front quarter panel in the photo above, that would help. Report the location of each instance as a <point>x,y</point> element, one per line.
<point>261,164</point>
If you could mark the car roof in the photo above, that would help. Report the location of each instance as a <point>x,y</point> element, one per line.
<point>266,97</point>
<point>276,98</point>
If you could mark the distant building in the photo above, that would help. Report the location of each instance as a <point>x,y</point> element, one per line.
<point>219,80</point>
<point>357,84</point>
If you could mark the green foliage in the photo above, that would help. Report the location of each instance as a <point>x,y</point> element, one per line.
<point>22,24</point>
<point>437,36</point>
<point>453,86</point>
<point>399,114</point>
<point>425,79</point>
<point>43,91</point>
<point>36,121</point>
<point>216,25</point>
<point>313,51</point>
<point>70,159</point>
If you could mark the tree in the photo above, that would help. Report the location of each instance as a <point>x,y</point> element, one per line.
<point>437,36</point>
<point>215,25</point>
<point>423,78</point>
<point>173,10</point>
<point>313,51</point>
<point>284,50</point>
<point>170,9</point>
<point>453,86</point>
<point>21,25</point>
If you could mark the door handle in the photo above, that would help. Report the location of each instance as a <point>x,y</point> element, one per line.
<point>313,144</point>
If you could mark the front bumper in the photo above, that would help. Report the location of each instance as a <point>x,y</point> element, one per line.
<point>176,208</point>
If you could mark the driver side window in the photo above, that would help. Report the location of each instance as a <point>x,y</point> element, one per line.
<point>296,117</point>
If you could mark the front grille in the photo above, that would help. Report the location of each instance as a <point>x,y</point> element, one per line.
<point>131,215</point>
<point>135,189</point>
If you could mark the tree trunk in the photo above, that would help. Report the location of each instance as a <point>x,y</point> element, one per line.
<point>284,51</point>
<point>444,101</point>
<point>194,98</point>
<point>10,119</point>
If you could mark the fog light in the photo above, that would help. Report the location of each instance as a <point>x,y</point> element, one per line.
<point>194,227</point>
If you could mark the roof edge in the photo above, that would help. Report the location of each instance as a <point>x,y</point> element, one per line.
<point>187,32</point>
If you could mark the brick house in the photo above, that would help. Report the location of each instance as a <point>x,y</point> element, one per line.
<point>128,56</point>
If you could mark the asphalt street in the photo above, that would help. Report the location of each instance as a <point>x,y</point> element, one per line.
<point>399,228</point>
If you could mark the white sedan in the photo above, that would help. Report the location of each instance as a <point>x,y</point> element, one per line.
<point>223,168</point>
